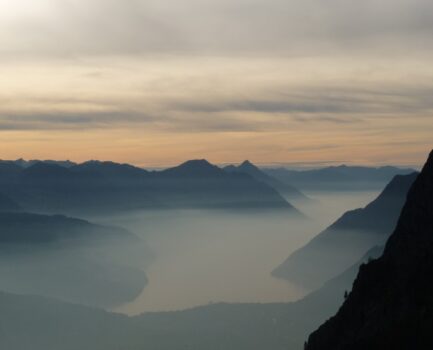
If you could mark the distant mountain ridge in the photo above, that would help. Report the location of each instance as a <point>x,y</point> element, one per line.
<point>109,169</point>
<point>391,304</point>
<point>193,168</point>
<point>27,163</point>
<point>346,178</point>
<point>345,241</point>
<point>107,186</point>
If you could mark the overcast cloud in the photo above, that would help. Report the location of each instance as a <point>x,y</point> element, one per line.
<point>87,27</point>
<point>259,76</point>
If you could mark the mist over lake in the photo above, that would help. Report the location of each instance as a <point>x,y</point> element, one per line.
<point>203,256</point>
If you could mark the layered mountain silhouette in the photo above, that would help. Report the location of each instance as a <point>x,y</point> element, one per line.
<point>103,187</point>
<point>391,304</point>
<point>69,259</point>
<point>285,189</point>
<point>345,241</point>
<point>346,178</point>
<point>278,326</point>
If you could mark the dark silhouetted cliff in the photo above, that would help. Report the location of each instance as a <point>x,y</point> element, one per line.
<point>391,304</point>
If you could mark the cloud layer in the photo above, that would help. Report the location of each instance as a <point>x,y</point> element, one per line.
<point>307,27</point>
<point>231,79</point>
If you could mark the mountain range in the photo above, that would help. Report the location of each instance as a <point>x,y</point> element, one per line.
<point>389,307</point>
<point>338,178</point>
<point>105,187</point>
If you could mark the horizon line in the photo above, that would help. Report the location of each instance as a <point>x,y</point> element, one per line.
<point>265,165</point>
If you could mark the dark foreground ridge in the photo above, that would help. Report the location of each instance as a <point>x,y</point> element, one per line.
<point>391,305</point>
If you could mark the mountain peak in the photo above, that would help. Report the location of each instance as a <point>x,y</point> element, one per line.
<point>247,164</point>
<point>194,168</point>
<point>197,163</point>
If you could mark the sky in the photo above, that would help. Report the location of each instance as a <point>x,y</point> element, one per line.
<point>157,82</point>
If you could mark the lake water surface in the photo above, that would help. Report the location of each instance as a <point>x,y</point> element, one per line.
<point>203,257</point>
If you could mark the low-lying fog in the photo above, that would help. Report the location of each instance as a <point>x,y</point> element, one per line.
<point>213,256</point>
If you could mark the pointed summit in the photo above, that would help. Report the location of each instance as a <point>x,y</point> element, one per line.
<point>247,164</point>
<point>252,170</point>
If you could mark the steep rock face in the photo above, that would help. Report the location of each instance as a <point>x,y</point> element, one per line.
<point>391,304</point>
<point>347,240</point>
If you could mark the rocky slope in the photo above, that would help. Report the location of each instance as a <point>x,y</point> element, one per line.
<point>391,305</point>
